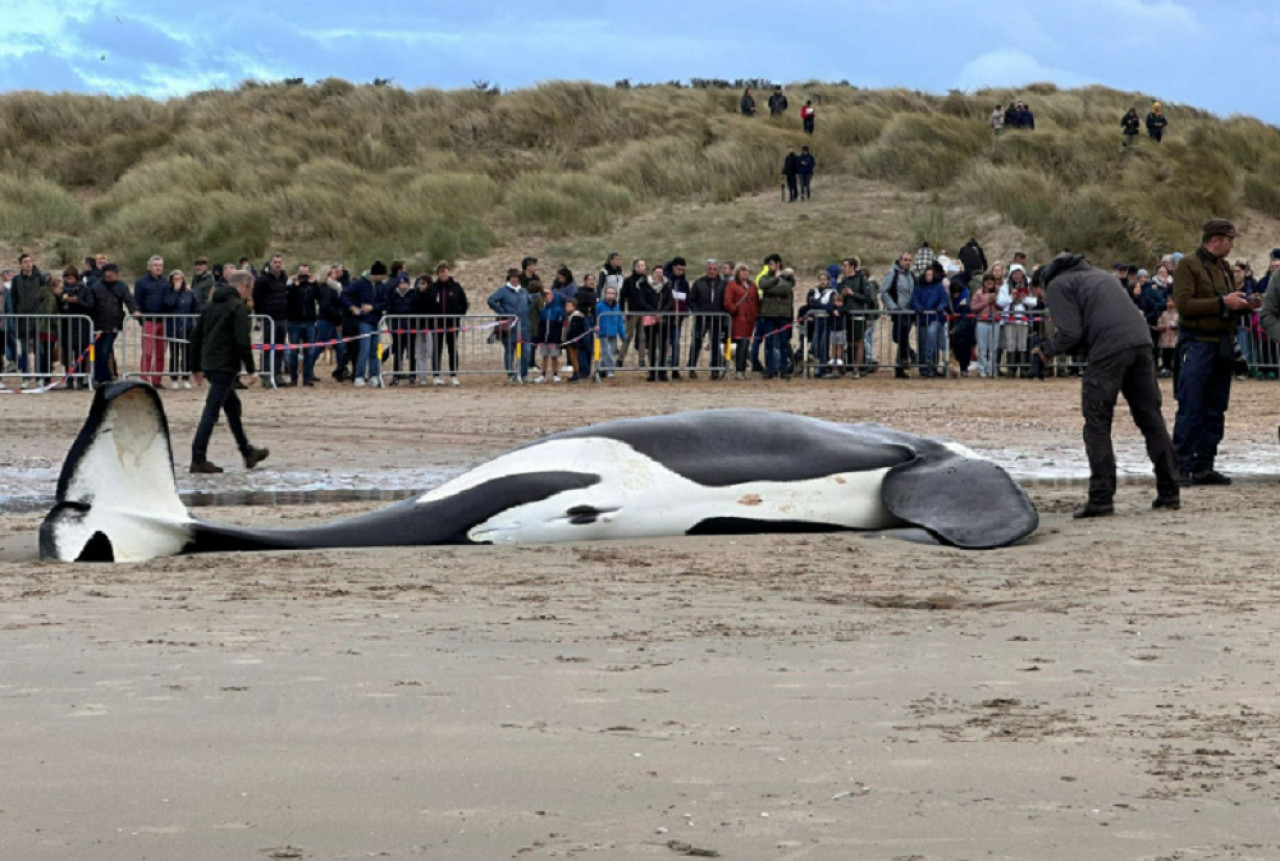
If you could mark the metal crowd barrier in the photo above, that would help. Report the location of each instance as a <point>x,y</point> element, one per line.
<point>157,346</point>
<point>35,346</point>
<point>419,348</point>
<point>668,342</point>
<point>1257,348</point>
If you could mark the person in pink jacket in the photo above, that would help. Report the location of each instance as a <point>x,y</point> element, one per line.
<point>983,305</point>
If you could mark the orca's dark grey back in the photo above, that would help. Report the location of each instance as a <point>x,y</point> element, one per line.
<point>717,448</point>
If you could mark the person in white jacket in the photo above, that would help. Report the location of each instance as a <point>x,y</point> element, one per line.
<point>1016,302</point>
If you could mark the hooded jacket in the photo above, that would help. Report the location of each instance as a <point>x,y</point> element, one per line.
<point>220,339</point>
<point>202,286</point>
<point>1091,312</point>
<point>896,288</point>
<point>508,300</point>
<point>363,291</point>
<point>329,301</point>
<point>973,258</point>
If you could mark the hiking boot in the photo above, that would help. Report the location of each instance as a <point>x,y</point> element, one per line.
<point>1173,503</point>
<point>1094,509</point>
<point>203,467</point>
<point>254,456</point>
<point>1210,477</point>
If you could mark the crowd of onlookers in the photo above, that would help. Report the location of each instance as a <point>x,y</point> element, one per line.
<point>929,313</point>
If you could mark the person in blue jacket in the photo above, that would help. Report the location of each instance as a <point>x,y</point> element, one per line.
<point>931,303</point>
<point>181,302</point>
<point>612,327</point>
<point>511,299</point>
<point>149,292</point>
<point>365,301</point>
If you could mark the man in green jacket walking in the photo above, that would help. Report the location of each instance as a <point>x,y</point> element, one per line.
<point>220,348</point>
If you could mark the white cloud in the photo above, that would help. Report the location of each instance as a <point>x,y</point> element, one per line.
<point>1008,67</point>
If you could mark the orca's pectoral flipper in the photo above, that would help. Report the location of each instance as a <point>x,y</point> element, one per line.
<point>965,502</point>
<point>117,500</point>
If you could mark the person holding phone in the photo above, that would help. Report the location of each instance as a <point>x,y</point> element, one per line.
<point>1209,305</point>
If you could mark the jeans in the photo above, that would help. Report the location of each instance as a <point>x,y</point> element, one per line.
<point>302,333</point>
<point>326,331</point>
<point>102,357</point>
<point>608,354</point>
<point>221,398</point>
<point>929,334</point>
<point>1131,373</point>
<point>1203,391</point>
<point>777,347</point>
<point>635,334</point>
<point>510,341</point>
<point>367,364</point>
<point>821,341</point>
<point>805,179</point>
<point>988,347</point>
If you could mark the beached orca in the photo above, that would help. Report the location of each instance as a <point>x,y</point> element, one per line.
<point>699,473</point>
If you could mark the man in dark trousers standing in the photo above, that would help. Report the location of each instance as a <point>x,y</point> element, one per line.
<point>1092,313</point>
<point>791,170</point>
<point>805,163</point>
<point>706,300</point>
<point>220,349</point>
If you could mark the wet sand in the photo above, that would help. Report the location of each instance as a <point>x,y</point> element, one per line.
<point>1106,690</point>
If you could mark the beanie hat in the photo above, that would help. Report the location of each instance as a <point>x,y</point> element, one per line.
<point>378,268</point>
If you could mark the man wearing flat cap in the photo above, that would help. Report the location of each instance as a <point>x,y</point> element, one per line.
<point>1209,307</point>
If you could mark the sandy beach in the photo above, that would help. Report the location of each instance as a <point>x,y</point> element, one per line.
<point>1105,690</point>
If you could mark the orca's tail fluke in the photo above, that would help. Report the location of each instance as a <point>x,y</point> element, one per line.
<point>117,500</point>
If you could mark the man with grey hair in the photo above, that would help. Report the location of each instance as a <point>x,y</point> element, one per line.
<point>706,298</point>
<point>148,294</point>
<point>221,347</point>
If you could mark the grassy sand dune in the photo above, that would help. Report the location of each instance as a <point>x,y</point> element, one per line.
<point>337,170</point>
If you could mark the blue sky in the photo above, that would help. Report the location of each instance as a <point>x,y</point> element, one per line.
<point>1223,56</point>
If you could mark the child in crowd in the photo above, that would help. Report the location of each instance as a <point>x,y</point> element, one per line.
<point>1168,343</point>
<point>550,332</point>
<point>838,336</point>
<point>610,326</point>
<point>575,331</point>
